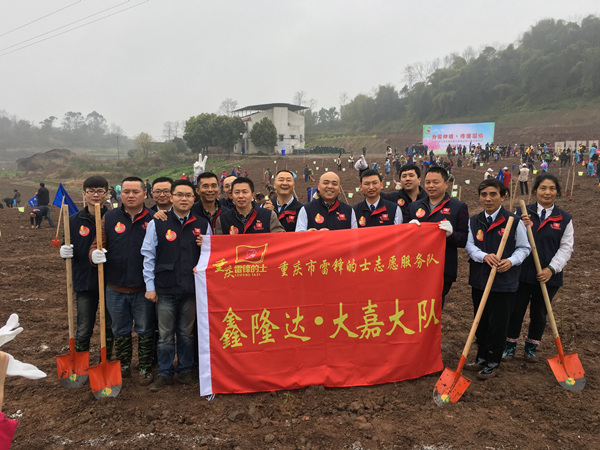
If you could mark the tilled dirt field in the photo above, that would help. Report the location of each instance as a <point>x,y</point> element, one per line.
<point>523,407</point>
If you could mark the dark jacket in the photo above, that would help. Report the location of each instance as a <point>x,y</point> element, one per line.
<point>259,222</point>
<point>547,237</point>
<point>488,240</point>
<point>289,216</point>
<point>177,253</point>
<point>403,200</point>
<point>124,239</point>
<point>83,234</point>
<point>384,214</point>
<point>43,196</point>
<point>336,217</point>
<point>457,213</point>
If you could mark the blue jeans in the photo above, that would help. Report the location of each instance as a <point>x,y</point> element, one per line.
<point>176,314</point>
<point>87,305</point>
<point>128,309</point>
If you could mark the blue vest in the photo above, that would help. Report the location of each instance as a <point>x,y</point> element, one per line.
<point>83,234</point>
<point>338,217</point>
<point>177,253</point>
<point>448,209</point>
<point>384,214</point>
<point>488,240</point>
<point>124,238</point>
<point>547,237</point>
<point>259,222</point>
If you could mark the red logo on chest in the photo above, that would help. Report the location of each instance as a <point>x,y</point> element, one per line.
<point>555,226</point>
<point>290,218</point>
<point>258,225</point>
<point>84,231</point>
<point>445,210</point>
<point>385,217</point>
<point>120,227</point>
<point>196,232</point>
<point>341,216</point>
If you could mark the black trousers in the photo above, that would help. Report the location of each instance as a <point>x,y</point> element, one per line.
<point>493,326</point>
<point>524,183</point>
<point>530,295</point>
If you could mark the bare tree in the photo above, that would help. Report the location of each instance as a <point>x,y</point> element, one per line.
<point>143,141</point>
<point>469,53</point>
<point>228,106</point>
<point>300,98</point>
<point>168,130</point>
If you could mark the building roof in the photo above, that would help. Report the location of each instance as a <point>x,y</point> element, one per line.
<point>267,106</point>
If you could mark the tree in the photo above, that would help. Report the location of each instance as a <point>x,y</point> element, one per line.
<point>226,131</point>
<point>228,106</point>
<point>48,123</point>
<point>198,133</point>
<point>72,121</point>
<point>143,142</point>
<point>96,123</point>
<point>264,134</point>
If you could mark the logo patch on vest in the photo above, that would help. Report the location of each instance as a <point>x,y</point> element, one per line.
<point>290,218</point>
<point>362,221</point>
<point>385,217</point>
<point>119,228</point>
<point>420,213</point>
<point>445,210</point>
<point>233,230</point>
<point>196,232</point>
<point>84,231</point>
<point>341,216</point>
<point>319,218</point>
<point>501,232</point>
<point>401,202</point>
<point>170,235</point>
<point>555,226</point>
<point>479,236</point>
<point>258,225</point>
<point>144,226</point>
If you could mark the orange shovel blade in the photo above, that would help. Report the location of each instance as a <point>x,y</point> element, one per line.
<point>72,369</point>
<point>56,243</point>
<point>570,375</point>
<point>450,387</point>
<point>105,379</point>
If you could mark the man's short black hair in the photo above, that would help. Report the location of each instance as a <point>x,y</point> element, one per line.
<point>162,180</point>
<point>407,167</point>
<point>204,175</point>
<point>437,169</point>
<point>138,179</point>
<point>370,173</point>
<point>240,180</point>
<point>284,170</point>
<point>181,182</point>
<point>95,181</point>
<point>492,182</point>
<point>258,197</point>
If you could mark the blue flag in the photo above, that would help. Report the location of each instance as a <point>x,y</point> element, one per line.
<point>500,175</point>
<point>310,192</point>
<point>233,174</point>
<point>62,197</point>
<point>32,201</point>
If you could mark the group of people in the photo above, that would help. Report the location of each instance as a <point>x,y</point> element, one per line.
<point>150,254</point>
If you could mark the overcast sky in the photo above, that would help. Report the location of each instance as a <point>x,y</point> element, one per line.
<point>167,60</point>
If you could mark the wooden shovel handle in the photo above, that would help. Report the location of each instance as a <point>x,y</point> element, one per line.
<point>59,217</point>
<point>101,292</point>
<point>69,264</point>
<point>488,288</point>
<point>3,367</point>
<point>538,269</point>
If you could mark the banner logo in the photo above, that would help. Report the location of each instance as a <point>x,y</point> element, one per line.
<point>250,254</point>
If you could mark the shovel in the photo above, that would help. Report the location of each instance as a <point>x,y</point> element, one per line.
<point>452,385</point>
<point>72,368</point>
<point>567,368</point>
<point>56,240</point>
<point>105,378</point>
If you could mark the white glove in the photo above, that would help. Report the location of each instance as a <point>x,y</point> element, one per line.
<point>98,256</point>
<point>17,368</point>
<point>10,330</point>
<point>66,251</point>
<point>446,226</point>
<point>416,222</point>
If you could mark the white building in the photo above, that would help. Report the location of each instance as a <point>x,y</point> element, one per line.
<point>287,121</point>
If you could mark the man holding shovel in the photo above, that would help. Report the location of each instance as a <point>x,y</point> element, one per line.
<point>485,233</point>
<point>85,275</point>
<point>123,231</point>
<point>171,250</point>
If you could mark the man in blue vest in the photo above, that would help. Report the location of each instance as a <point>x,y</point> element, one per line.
<point>452,216</point>
<point>171,250</point>
<point>123,231</point>
<point>485,233</point>
<point>85,275</point>
<point>326,212</point>
<point>244,218</point>
<point>285,205</point>
<point>375,211</point>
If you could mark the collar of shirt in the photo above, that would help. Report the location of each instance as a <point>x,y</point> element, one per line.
<point>540,208</point>
<point>134,215</point>
<point>181,219</point>
<point>281,207</point>
<point>372,204</point>
<point>493,215</point>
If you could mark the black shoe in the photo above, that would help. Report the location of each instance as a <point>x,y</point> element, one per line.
<point>530,352</point>
<point>159,383</point>
<point>476,365</point>
<point>187,378</point>
<point>489,371</point>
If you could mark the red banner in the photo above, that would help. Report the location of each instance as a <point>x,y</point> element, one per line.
<point>332,308</point>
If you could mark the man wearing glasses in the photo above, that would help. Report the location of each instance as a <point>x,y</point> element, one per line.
<point>85,275</point>
<point>171,250</point>
<point>161,194</point>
